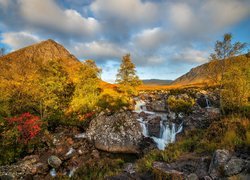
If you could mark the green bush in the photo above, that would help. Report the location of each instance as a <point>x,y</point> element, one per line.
<point>182,104</point>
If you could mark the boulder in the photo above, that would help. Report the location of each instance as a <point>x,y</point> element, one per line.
<point>165,171</point>
<point>234,166</point>
<point>159,106</point>
<point>154,127</point>
<point>117,133</point>
<point>219,160</point>
<point>54,161</point>
<point>192,176</point>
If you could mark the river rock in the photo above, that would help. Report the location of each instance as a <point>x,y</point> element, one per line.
<point>234,166</point>
<point>158,106</point>
<point>117,133</point>
<point>54,161</point>
<point>192,176</point>
<point>154,127</point>
<point>219,160</point>
<point>166,171</point>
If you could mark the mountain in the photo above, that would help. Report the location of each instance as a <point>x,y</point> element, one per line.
<point>29,60</point>
<point>159,82</point>
<point>207,72</point>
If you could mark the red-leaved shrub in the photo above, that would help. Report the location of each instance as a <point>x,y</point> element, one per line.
<point>28,126</point>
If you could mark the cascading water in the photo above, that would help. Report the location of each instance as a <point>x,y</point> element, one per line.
<point>167,132</point>
<point>207,102</point>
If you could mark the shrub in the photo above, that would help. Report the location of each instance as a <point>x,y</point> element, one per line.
<point>112,100</point>
<point>17,136</point>
<point>181,104</point>
<point>27,125</point>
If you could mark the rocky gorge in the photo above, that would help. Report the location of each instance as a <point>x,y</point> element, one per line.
<point>150,126</point>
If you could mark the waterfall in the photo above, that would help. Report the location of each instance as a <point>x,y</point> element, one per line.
<point>144,127</point>
<point>167,132</point>
<point>207,102</point>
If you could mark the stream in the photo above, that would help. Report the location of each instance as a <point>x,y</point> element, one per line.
<point>168,131</point>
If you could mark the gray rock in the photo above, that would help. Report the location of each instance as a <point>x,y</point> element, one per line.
<point>192,176</point>
<point>54,161</point>
<point>159,106</point>
<point>166,170</point>
<point>234,166</point>
<point>118,133</point>
<point>154,127</point>
<point>219,160</point>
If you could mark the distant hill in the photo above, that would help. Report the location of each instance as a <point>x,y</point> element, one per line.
<point>203,73</point>
<point>159,82</point>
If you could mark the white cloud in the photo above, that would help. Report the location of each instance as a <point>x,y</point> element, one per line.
<point>98,50</point>
<point>189,55</point>
<point>205,16</point>
<point>225,12</point>
<point>129,10</point>
<point>17,40</point>
<point>150,38</point>
<point>181,15</point>
<point>4,4</point>
<point>47,14</point>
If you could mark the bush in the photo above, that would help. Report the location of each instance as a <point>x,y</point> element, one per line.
<point>112,100</point>
<point>17,136</point>
<point>181,104</point>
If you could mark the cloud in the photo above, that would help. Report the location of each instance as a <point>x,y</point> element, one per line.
<point>201,17</point>
<point>17,40</point>
<point>181,16</point>
<point>4,4</point>
<point>98,50</point>
<point>134,11</point>
<point>151,39</point>
<point>47,14</point>
<point>190,55</point>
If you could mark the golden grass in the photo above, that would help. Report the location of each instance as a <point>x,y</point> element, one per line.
<point>151,87</point>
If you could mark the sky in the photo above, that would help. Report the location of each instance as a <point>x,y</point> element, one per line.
<point>166,38</point>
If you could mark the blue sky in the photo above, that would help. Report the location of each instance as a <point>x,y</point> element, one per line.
<point>166,38</point>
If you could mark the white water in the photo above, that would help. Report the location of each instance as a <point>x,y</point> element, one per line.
<point>167,132</point>
<point>208,102</point>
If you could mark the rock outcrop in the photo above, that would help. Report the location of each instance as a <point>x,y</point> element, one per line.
<point>117,133</point>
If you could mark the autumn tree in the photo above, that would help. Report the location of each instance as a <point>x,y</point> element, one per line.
<point>221,57</point>
<point>223,51</point>
<point>86,91</point>
<point>236,86</point>
<point>126,76</point>
<point>56,89</point>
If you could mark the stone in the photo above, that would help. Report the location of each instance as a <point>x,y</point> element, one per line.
<point>117,133</point>
<point>167,171</point>
<point>219,160</point>
<point>154,126</point>
<point>234,166</point>
<point>54,161</point>
<point>192,176</point>
<point>95,154</point>
<point>159,106</point>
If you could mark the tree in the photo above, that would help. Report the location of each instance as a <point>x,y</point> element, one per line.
<point>86,92</point>
<point>223,52</point>
<point>2,51</point>
<point>127,73</point>
<point>236,86</point>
